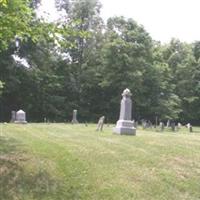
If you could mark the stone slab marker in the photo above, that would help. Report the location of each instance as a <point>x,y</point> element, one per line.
<point>125,125</point>
<point>13,116</point>
<point>20,117</point>
<point>74,117</point>
<point>100,123</point>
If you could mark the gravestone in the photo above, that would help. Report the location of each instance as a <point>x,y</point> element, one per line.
<point>149,124</point>
<point>162,126</point>
<point>135,123</point>
<point>179,125</point>
<point>74,117</point>
<point>173,126</point>
<point>13,116</point>
<point>20,117</point>
<point>100,123</point>
<point>189,126</point>
<point>125,125</point>
<point>168,123</point>
<point>144,124</point>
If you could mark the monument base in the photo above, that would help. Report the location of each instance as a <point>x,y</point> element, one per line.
<point>20,122</point>
<point>125,127</point>
<point>75,122</point>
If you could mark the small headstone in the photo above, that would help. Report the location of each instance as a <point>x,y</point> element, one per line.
<point>13,116</point>
<point>190,129</point>
<point>100,123</point>
<point>135,123</point>
<point>179,125</point>
<point>173,126</point>
<point>149,124</point>
<point>162,126</point>
<point>189,126</point>
<point>74,117</point>
<point>20,117</point>
<point>144,124</point>
<point>125,125</point>
<point>168,123</point>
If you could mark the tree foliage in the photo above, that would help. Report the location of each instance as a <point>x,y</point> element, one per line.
<point>79,62</point>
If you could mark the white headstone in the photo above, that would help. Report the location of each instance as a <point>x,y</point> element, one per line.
<point>74,117</point>
<point>20,117</point>
<point>125,125</point>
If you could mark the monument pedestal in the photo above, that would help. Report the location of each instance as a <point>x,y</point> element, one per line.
<point>125,127</point>
<point>20,122</point>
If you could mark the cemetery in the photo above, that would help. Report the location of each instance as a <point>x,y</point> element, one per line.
<point>95,107</point>
<point>75,161</point>
<point>68,161</point>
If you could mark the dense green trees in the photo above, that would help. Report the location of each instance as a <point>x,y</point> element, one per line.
<point>15,19</point>
<point>78,62</point>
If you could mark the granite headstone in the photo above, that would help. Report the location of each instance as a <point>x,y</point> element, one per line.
<point>20,117</point>
<point>100,123</point>
<point>74,117</point>
<point>13,116</point>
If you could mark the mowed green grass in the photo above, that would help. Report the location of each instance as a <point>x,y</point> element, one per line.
<point>64,162</point>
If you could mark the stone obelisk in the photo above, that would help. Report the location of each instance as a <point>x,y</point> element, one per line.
<point>125,125</point>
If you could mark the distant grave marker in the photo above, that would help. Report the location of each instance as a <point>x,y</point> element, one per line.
<point>13,116</point>
<point>20,117</point>
<point>162,126</point>
<point>74,117</point>
<point>100,123</point>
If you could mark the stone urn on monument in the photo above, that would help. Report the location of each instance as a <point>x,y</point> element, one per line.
<point>125,125</point>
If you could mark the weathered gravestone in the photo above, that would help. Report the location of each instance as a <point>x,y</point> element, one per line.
<point>13,116</point>
<point>100,123</point>
<point>162,126</point>
<point>179,125</point>
<point>74,117</point>
<point>173,126</point>
<point>135,123</point>
<point>189,126</point>
<point>125,125</point>
<point>168,123</point>
<point>20,117</point>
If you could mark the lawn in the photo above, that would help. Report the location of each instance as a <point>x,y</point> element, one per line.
<point>67,162</point>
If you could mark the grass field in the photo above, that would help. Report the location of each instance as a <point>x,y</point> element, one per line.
<point>67,162</point>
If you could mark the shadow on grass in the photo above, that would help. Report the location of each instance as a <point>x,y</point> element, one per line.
<point>15,182</point>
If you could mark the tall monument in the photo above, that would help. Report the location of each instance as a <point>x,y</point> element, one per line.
<point>125,125</point>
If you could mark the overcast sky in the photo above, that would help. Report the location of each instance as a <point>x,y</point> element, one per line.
<point>163,19</point>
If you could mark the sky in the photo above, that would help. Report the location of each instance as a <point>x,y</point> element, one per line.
<point>162,19</point>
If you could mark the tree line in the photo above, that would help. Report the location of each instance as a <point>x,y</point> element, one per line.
<point>81,62</point>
